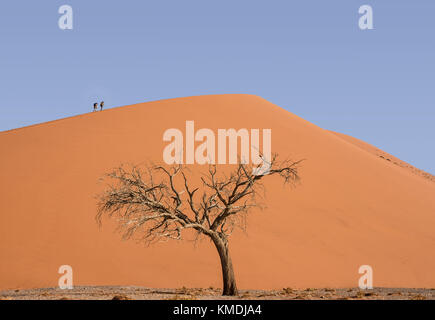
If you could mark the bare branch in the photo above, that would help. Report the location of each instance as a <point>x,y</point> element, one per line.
<point>153,204</point>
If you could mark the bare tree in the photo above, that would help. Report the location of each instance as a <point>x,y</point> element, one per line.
<point>159,203</point>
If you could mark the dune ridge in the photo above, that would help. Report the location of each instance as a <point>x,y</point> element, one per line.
<point>386,156</point>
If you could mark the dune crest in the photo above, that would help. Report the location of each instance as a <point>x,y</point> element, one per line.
<point>386,156</point>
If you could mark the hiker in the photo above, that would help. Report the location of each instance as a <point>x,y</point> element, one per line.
<point>101,105</point>
<point>95,106</point>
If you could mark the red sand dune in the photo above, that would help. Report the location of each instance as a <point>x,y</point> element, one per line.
<point>352,208</point>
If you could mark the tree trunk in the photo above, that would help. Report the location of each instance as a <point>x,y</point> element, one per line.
<point>229,281</point>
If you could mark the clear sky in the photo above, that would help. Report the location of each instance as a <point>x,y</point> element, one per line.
<point>307,56</point>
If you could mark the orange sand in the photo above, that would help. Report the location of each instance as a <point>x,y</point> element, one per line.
<point>352,208</point>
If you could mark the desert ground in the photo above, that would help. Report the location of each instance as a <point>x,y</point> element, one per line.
<point>356,205</point>
<point>142,293</point>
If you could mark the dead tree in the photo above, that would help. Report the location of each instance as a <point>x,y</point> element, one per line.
<point>160,202</point>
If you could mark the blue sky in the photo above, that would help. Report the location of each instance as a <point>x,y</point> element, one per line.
<point>307,56</point>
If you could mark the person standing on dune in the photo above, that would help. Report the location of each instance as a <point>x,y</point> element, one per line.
<point>101,105</point>
<point>95,106</point>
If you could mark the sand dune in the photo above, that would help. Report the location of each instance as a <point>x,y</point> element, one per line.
<point>385,156</point>
<point>352,208</point>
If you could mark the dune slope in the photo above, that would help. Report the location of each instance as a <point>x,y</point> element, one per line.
<point>352,207</point>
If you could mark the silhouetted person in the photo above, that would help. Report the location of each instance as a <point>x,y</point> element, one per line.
<point>101,105</point>
<point>95,106</point>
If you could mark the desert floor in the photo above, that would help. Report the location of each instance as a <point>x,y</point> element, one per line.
<point>143,293</point>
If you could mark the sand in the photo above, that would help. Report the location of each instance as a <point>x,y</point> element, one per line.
<point>210,293</point>
<point>352,207</point>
